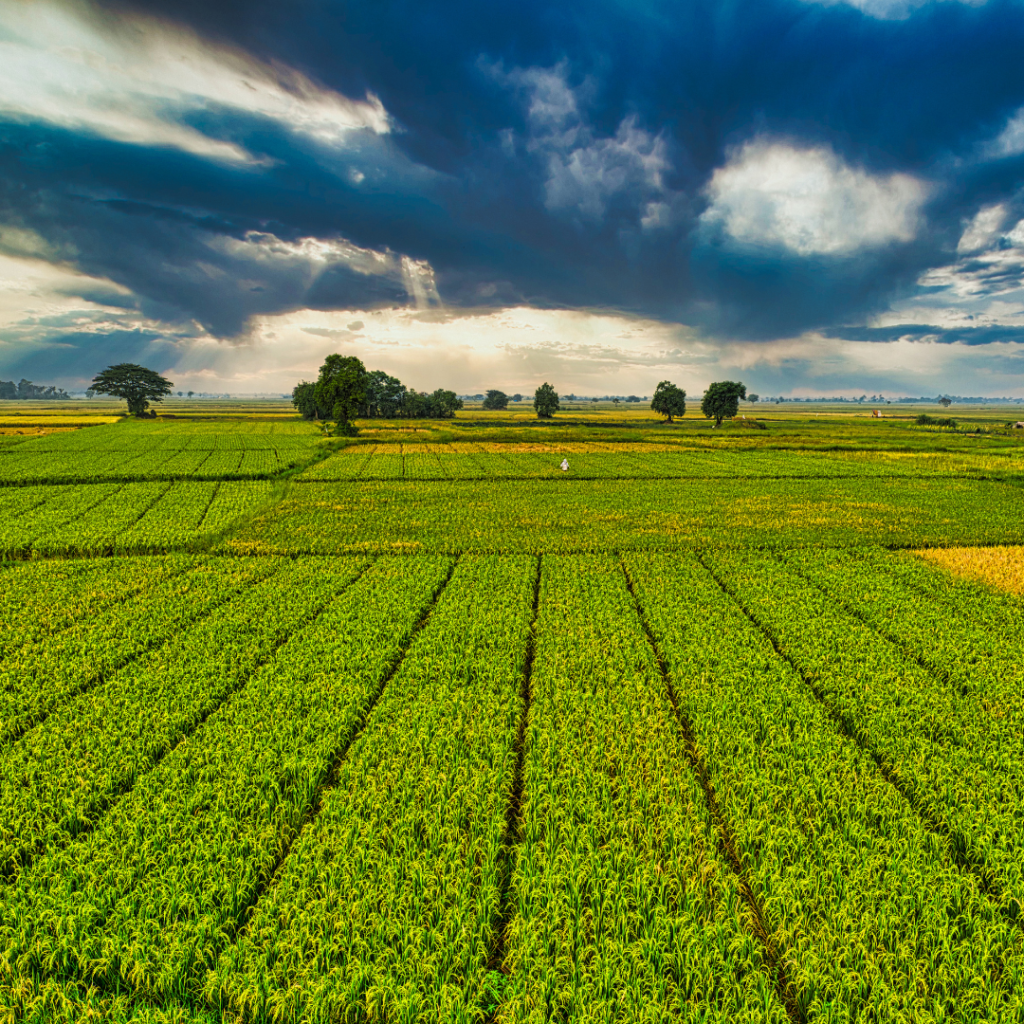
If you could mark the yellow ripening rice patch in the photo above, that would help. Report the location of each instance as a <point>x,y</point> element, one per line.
<point>1001,567</point>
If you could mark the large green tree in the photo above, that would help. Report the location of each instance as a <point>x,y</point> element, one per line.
<point>495,400</point>
<point>137,385</point>
<point>545,401</point>
<point>341,388</point>
<point>722,400</point>
<point>668,400</point>
<point>444,404</point>
<point>384,395</point>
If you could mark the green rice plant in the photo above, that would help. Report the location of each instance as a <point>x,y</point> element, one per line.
<point>31,1001</point>
<point>565,515</point>
<point>178,591</point>
<point>62,505</point>
<point>41,598</point>
<point>387,906</point>
<point>957,763</point>
<point>59,777</point>
<point>874,918</point>
<point>150,897</point>
<point>622,908</point>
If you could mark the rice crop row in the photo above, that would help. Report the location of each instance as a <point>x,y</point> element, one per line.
<point>870,912</point>
<point>959,764</point>
<point>59,776</point>
<point>38,599</point>
<point>149,898</point>
<point>109,518</point>
<point>176,591</point>
<point>604,461</point>
<point>622,908</point>
<point>966,634</point>
<point>387,907</point>
<point>29,466</point>
<point>566,515</point>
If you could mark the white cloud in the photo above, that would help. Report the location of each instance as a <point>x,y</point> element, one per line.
<point>892,9</point>
<point>586,171</point>
<point>810,202</point>
<point>983,229</point>
<point>1010,141</point>
<point>138,80</point>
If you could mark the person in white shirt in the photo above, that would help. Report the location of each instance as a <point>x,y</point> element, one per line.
<point>565,465</point>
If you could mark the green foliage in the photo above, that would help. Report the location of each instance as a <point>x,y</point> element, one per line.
<point>304,400</point>
<point>669,400</point>
<point>935,421</point>
<point>444,404</point>
<point>137,385</point>
<point>545,401</point>
<point>722,400</point>
<point>807,807</point>
<point>495,400</point>
<point>341,388</point>
<point>400,874</point>
<point>384,395</point>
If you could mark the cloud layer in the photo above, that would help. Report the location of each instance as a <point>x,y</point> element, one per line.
<point>750,175</point>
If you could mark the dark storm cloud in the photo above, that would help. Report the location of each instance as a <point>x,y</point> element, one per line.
<point>551,154</point>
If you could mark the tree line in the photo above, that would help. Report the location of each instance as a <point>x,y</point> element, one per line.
<point>345,391</point>
<point>26,390</point>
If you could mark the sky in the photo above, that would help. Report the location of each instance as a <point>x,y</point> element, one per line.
<point>816,197</point>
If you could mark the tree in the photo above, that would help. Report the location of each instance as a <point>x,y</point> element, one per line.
<point>496,400</point>
<point>304,400</point>
<point>945,402</point>
<point>545,401</point>
<point>341,389</point>
<point>8,390</point>
<point>444,404</point>
<point>753,398</point>
<point>669,400</point>
<point>137,385</point>
<point>191,393</point>
<point>722,400</point>
<point>384,395</point>
<point>517,398</point>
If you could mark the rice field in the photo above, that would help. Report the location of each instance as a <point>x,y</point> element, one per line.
<point>700,729</point>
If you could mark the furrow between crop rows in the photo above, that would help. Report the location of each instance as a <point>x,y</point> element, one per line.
<point>388,902</point>
<point>952,763</point>
<point>872,915</point>
<point>624,908</point>
<point>60,777</point>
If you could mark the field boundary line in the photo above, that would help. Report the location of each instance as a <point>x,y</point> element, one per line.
<point>784,986</point>
<point>11,738</point>
<point>209,505</point>
<point>514,811</point>
<point>101,609</point>
<point>330,777</point>
<point>103,805</point>
<point>960,850</point>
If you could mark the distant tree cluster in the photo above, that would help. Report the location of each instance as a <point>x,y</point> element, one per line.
<point>345,391</point>
<point>25,390</point>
